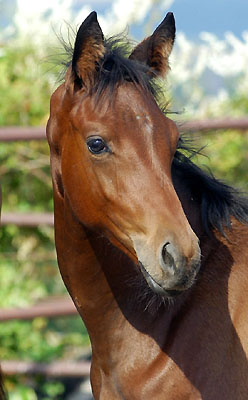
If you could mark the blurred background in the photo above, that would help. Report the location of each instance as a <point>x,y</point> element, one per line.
<point>208,79</point>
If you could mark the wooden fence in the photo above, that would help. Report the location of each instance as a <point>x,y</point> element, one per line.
<point>64,306</point>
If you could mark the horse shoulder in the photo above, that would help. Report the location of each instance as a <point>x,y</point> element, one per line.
<point>238,282</point>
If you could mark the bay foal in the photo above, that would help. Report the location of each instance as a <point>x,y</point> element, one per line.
<point>153,251</point>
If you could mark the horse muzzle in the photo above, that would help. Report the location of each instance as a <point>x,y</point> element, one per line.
<point>169,272</point>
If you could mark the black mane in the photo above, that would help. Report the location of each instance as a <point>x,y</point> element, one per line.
<point>217,200</point>
<point>116,68</point>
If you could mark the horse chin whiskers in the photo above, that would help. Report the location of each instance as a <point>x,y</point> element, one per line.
<point>142,297</point>
<point>184,283</point>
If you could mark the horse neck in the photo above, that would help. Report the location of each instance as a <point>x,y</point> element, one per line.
<point>192,209</point>
<point>214,245</point>
<point>191,206</point>
<point>91,269</point>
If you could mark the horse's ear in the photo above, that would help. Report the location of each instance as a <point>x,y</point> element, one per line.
<point>154,51</point>
<point>88,49</point>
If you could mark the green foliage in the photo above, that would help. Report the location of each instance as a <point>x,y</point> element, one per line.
<point>25,84</point>
<point>237,105</point>
<point>227,151</point>
<point>226,156</point>
<point>28,266</point>
<point>25,176</point>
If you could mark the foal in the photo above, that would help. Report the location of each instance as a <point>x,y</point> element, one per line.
<point>152,250</point>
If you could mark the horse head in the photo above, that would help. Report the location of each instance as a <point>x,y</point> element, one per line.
<point>112,148</point>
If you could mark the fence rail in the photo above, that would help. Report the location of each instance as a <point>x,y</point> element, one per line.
<point>13,133</point>
<point>27,219</point>
<point>204,125</point>
<point>60,369</point>
<point>50,308</point>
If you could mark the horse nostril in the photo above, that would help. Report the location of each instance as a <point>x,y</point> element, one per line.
<point>167,256</point>
<point>164,250</point>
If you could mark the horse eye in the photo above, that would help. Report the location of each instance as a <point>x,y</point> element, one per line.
<point>97,145</point>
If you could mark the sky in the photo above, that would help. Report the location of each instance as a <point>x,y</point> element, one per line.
<point>192,16</point>
<point>218,16</point>
<point>195,16</point>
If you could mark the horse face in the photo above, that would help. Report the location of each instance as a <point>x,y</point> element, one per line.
<point>114,168</point>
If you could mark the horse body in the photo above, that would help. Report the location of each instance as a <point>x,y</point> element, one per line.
<point>127,226</point>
